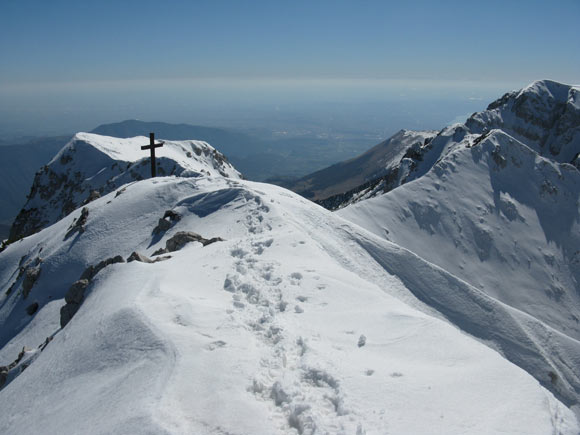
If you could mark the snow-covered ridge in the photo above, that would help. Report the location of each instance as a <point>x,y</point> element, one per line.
<point>296,322</point>
<point>91,165</point>
<point>497,215</point>
<point>545,115</point>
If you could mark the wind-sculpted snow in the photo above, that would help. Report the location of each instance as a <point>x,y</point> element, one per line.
<point>90,166</point>
<point>550,356</point>
<point>292,324</point>
<point>498,216</point>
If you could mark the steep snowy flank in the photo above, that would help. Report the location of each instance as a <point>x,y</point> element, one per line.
<point>91,165</point>
<point>498,216</point>
<point>282,318</point>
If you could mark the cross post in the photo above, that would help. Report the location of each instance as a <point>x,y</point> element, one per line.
<point>152,145</point>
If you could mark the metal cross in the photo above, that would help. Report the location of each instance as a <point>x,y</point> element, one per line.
<point>152,145</point>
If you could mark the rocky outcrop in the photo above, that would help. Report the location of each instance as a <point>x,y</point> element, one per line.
<point>182,238</point>
<point>170,218</point>
<point>75,295</point>
<point>136,256</point>
<point>91,271</point>
<point>78,224</point>
<point>30,277</point>
<point>74,298</point>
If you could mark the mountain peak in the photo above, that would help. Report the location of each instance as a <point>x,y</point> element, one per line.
<point>545,115</point>
<point>91,165</point>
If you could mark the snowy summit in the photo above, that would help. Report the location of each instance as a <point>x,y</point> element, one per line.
<point>208,304</point>
<point>91,165</point>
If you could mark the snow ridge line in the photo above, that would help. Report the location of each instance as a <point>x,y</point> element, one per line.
<point>511,332</point>
<point>515,333</point>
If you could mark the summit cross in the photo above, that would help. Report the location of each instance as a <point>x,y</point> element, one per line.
<point>152,145</point>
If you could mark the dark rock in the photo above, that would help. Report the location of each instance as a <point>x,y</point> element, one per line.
<point>159,252</point>
<point>169,218</point>
<point>92,196</point>
<point>182,238</point>
<point>32,308</point>
<point>136,256</point>
<point>162,226</point>
<point>74,297</point>
<point>91,271</point>
<point>173,216</point>
<point>67,312</point>
<point>78,224</point>
<point>76,292</point>
<point>30,277</point>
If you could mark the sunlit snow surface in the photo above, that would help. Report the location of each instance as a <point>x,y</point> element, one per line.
<point>299,322</point>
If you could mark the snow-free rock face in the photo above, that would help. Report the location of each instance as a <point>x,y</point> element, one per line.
<point>293,321</point>
<point>91,165</point>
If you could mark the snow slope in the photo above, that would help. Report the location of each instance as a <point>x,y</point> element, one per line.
<point>297,322</point>
<point>498,216</point>
<point>91,165</point>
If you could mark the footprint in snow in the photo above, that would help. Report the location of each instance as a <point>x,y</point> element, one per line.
<point>215,345</point>
<point>295,278</point>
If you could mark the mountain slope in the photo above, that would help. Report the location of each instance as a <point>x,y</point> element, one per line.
<point>545,116</point>
<point>380,160</point>
<point>498,216</point>
<point>91,165</point>
<point>294,322</point>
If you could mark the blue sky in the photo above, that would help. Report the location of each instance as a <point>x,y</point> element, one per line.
<point>505,40</point>
<point>57,51</point>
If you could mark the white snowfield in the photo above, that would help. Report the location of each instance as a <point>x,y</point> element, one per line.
<point>297,323</point>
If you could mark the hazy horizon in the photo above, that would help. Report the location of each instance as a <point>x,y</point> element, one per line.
<point>374,67</point>
<point>375,106</point>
